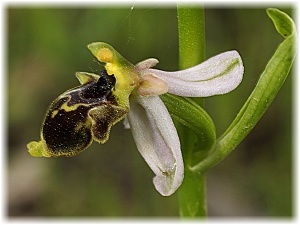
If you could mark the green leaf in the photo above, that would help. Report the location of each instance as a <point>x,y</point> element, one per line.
<point>263,94</point>
<point>282,22</point>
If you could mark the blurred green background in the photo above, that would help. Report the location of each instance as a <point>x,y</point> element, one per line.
<point>46,45</point>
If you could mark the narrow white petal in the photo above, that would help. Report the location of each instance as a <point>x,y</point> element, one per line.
<point>157,140</point>
<point>146,64</point>
<point>217,75</point>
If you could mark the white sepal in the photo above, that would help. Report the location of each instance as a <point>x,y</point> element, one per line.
<point>157,140</point>
<point>217,75</point>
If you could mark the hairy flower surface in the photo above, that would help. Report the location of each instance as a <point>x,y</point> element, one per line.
<point>87,112</point>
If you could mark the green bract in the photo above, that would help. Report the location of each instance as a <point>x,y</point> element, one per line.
<point>262,96</point>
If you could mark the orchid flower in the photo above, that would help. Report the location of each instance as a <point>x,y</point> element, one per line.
<point>124,89</point>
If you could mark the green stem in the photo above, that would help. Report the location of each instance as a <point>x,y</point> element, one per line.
<point>191,194</point>
<point>191,32</point>
<point>191,28</point>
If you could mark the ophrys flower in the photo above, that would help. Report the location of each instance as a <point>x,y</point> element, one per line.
<point>87,112</point>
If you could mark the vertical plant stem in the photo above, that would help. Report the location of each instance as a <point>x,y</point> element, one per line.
<point>191,29</point>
